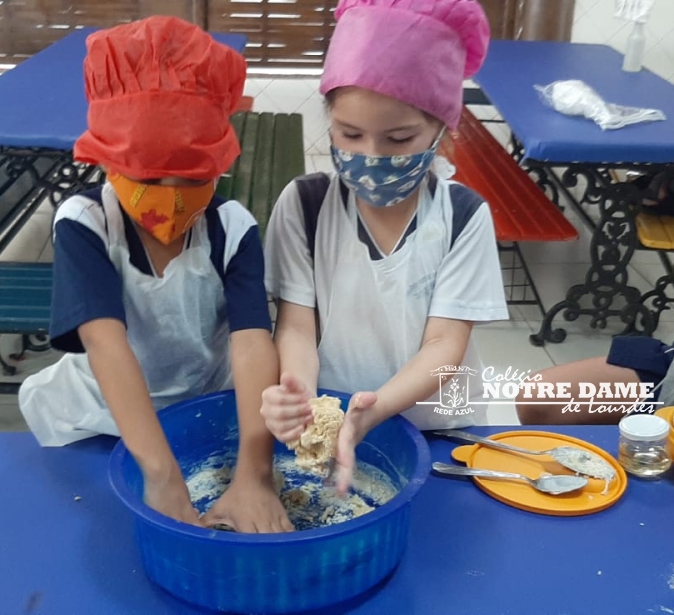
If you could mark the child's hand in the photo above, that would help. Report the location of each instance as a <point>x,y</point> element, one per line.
<point>171,498</point>
<point>251,507</point>
<point>285,408</point>
<point>356,425</point>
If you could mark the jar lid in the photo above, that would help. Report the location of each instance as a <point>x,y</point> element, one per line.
<point>643,427</point>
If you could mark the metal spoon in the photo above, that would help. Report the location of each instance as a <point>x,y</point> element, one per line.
<point>573,458</point>
<point>547,483</point>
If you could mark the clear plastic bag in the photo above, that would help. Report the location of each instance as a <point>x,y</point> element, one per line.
<point>574,97</point>
<point>633,10</point>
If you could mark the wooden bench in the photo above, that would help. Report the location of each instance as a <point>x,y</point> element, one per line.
<point>520,209</point>
<point>657,233</point>
<point>25,291</point>
<point>25,304</point>
<point>272,155</point>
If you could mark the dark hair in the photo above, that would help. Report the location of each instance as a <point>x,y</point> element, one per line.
<point>330,98</point>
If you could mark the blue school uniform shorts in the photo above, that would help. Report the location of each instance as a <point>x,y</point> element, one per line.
<point>648,357</point>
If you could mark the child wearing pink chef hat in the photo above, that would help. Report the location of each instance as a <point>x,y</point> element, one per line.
<point>381,270</point>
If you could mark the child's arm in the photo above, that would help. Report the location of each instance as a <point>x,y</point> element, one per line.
<point>121,380</point>
<point>444,343</point>
<point>254,367</point>
<point>297,342</point>
<point>290,274</point>
<point>251,504</point>
<point>285,406</point>
<point>468,287</point>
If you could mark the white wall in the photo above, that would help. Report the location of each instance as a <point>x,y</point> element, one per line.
<point>594,23</point>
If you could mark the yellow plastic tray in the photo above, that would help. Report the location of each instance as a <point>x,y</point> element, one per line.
<point>523,496</point>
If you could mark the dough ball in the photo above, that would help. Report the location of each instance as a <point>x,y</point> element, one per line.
<point>318,443</point>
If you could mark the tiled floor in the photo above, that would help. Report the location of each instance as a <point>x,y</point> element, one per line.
<point>505,344</point>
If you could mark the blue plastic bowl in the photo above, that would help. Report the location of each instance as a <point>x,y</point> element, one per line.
<point>270,573</point>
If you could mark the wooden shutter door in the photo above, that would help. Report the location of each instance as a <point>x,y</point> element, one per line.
<point>281,33</point>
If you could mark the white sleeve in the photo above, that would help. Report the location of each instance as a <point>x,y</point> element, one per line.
<point>289,266</point>
<point>469,285</point>
<point>86,212</point>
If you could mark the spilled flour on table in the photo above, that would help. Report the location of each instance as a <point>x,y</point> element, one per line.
<point>309,503</point>
<point>670,580</point>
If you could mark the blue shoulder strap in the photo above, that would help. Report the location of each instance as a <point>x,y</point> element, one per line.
<point>312,190</point>
<point>94,194</point>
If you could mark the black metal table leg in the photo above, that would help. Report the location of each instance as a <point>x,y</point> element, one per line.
<point>605,292</point>
<point>58,180</point>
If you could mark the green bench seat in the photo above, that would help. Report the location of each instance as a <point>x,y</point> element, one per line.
<point>272,155</point>
<point>25,303</point>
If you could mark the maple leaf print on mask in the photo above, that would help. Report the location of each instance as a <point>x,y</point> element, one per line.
<point>150,219</point>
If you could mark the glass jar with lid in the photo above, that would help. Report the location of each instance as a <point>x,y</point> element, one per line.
<point>643,448</point>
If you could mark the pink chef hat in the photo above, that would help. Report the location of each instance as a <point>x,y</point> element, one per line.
<point>416,51</point>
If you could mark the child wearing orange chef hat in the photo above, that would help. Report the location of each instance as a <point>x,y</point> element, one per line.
<point>158,284</point>
<point>390,265</point>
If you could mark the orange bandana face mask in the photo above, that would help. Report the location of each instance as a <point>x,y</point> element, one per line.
<point>166,212</point>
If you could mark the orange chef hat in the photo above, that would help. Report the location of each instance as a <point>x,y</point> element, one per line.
<point>160,94</point>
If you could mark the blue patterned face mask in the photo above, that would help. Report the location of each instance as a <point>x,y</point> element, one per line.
<point>383,180</point>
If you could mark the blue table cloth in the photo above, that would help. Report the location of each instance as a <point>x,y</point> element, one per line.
<point>467,554</point>
<point>42,101</point>
<point>511,70</point>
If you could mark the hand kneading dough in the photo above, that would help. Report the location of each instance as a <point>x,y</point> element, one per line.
<point>318,443</point>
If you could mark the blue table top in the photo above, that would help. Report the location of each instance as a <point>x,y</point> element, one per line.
<point>467,553</point>
<point>511,70</point>
<point>42,100</point>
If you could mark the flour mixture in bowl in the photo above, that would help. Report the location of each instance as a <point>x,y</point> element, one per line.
<point>310,504</point>
<point>309,570</point>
